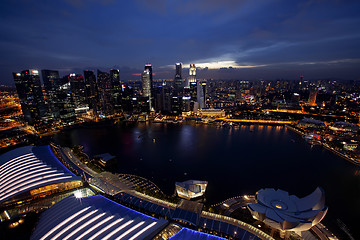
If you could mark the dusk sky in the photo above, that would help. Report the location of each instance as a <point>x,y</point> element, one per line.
<point>270,39</point>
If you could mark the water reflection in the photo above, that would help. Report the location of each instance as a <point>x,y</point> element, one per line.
<point>234,162</point>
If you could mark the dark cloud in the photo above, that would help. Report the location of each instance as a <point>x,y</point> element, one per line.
<point>277,37</point>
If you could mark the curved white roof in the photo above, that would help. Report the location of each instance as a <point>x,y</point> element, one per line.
<point>92,218</point>
<point>27,168</point>
<point>283,211</point>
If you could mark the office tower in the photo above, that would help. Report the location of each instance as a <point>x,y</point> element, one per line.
<point>201,94</point>
<point>179,82</point>
<point>51,83</point>
<point>91,91</point>
<point>29,90</point>
<point>178,71</point>
<point>59,94</point>
<point>77,86</point>
<point>192,73</point>
<point>106,104</point>
<point>192,86</point>
<point>116,89</point>
<point>149,67</point>
<point>65,103</point>
<point>176,105</point>
<point>166,95</point>
<point>126,100</point>
<point>147,85</point>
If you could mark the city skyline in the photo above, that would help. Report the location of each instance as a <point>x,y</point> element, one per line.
<point>258,40</point>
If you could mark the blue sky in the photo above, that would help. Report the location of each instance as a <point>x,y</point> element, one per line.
<point>267,39</point>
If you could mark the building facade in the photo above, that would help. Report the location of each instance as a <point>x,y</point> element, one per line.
<point>30,94</point>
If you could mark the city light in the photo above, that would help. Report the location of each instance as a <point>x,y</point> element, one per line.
<point>78,194</point>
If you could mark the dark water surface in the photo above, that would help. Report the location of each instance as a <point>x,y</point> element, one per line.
<point>233,161</point>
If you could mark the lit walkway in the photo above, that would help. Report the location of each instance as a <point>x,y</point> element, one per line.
<point>124,191</point>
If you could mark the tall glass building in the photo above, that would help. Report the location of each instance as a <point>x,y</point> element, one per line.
<point>29,90</point>
<point>51,83</point>
<point>91,91</point>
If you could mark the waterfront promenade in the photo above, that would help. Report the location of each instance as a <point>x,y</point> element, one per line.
<point>115,185</point>
<point>326,146</point>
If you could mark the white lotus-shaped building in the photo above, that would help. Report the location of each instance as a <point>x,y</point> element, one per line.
<point>285,212</point>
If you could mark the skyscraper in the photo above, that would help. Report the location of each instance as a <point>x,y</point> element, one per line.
<point>77,86</point>
<point>149,67</point>
<point>91,91</point>
<point>147,84</point>
<point>192,86</point>
<point>29,90</point>
<point>179,82</point>
<point>116,89</point>
<point>105,93</point>
<point>192,73</point>
<point>201,94</point>
<point>51,83</point>
<point>65,103</point>
<point>178,71</point>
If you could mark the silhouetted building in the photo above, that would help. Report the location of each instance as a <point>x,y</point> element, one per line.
<point>51,82</point>
<point>176,105</point>
<point>59,97</point>
<point>29,90</point>
<point>91,91</point>
<point>65,103</point>
<point>106,104</point>
<point>127,100</point>
<point>116,89</point>
<point>178,80</point>
<point>165,98</point>
<point>201,93</point>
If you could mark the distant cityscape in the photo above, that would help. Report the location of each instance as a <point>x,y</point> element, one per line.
<point>37,109</point>
<point>323,112</point>
<point>179,120</point>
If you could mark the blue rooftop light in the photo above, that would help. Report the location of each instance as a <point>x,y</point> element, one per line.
<point>187,234</point>
<point>111,206</point>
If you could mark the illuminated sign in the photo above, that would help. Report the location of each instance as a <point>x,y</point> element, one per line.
<point>186,98</point>
<point>18,74</point>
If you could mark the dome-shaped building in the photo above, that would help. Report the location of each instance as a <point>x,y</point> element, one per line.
<point>285,212</point>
